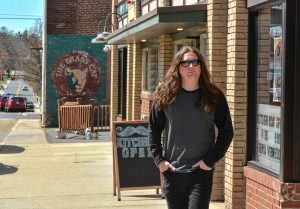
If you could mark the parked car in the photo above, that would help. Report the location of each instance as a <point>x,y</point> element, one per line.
<point>9,94</point>
<point>29,106</point>
<point>3,100</point>
<point>15,103</point>
<point>25,88</point>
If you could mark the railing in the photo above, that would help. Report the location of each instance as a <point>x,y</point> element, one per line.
<point>101,117</point>
<point>77,117</point>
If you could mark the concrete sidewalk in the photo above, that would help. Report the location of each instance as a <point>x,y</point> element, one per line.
<point>35,174</point>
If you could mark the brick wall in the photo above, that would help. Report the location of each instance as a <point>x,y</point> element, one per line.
<point>114,77</point>
<point>146,102</point>
<point>217,35</point>
<point>165,55</point>
<point>137,81</point>
<point>216,62</point>
<point>59,46</point>
<point>114,73</point>
<point>267,192</point>
<point>236,90</point>
<point>70,26</point>
<point>77,16</point>
<point>129,83</point>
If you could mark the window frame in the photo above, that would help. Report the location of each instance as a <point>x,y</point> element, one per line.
<point>290,114</point>
<point>145,70</point>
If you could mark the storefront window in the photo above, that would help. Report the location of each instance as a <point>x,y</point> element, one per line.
<point>150,68</point>
<point>187,2</point>
<point>177,45</point>
<point>148,6</point>
<point>269,87</point>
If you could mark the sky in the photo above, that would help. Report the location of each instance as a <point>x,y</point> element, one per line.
<point>23,13</point>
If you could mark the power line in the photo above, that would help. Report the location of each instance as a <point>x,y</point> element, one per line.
<point>21,15</point>
<point>20,18</point>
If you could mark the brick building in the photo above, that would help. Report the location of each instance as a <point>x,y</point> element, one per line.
<point>251,49</point>
<point>73,66</point>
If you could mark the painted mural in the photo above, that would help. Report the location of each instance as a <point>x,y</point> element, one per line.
<point>76,68</point>
<point>76,74</point>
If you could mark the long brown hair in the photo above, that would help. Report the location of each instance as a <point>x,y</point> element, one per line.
<point>166,90</point>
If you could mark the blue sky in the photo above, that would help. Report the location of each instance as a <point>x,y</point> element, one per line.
<point>23,10</point>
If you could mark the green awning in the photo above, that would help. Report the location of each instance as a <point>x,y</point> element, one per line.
<point>162,20</point>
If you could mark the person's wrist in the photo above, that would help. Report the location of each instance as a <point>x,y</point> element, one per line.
<point>205,166</point>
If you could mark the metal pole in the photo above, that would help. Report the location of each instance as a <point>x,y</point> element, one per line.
<point>44,67</point>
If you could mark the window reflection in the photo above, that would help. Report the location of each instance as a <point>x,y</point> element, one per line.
<point>269,87</point>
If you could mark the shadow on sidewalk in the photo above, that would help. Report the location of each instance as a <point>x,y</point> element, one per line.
<point>10,149</point>
<point>72,137</point>
<point>7,169</point>
<point>153,196</point>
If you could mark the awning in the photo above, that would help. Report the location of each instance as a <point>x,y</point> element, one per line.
<point>162,20</point>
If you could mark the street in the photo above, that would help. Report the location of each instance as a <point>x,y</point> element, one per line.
<point>22,89</point>
<point>20,115</point>
<point>16,87</point>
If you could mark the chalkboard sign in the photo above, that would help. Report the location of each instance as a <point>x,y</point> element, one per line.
<point>133,163</point>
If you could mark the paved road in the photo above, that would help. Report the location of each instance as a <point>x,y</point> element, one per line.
<point>15,87</point>
<point>20,115</point>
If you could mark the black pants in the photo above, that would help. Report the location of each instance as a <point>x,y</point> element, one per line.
<point>188,190</point>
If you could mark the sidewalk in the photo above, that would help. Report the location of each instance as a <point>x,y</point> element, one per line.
<point>2,91</point>
<point>35,174</point>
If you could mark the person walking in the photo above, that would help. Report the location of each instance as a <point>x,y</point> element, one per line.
<point>187,106</point>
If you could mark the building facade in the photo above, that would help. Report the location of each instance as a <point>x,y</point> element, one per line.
<point>272,173</point>
<point>251,49</point>
<point>73,66</point>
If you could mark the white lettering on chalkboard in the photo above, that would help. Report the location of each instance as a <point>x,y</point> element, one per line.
<point>132,147</point>
<point>133,142</point>
<point>133,152</point>
<point>130,130</point>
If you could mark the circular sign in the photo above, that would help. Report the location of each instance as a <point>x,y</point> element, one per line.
<point>76,74</point>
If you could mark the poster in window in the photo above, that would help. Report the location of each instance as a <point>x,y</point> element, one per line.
<point>268,136</point>
<point>277,69</point>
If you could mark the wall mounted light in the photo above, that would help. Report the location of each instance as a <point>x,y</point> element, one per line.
<point>106,48</point>
<point>102,37</point>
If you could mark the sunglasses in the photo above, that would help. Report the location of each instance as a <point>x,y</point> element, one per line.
<point>187,63</point>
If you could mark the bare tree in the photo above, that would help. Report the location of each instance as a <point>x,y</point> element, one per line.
<point>31,64</point>
<point>24,51</point>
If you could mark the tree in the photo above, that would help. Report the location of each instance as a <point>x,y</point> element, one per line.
<point>5,49</point>
<point>24,54</point>
<point>32,64</point>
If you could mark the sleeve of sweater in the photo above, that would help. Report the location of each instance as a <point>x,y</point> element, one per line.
<point>225,133</point>
<point>156,126</point>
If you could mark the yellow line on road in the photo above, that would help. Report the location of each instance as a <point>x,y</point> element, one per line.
<point>19,87</point>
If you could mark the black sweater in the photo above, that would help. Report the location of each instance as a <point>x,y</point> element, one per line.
<point>189,132</point>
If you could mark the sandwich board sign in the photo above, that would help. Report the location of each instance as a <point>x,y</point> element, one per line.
<point>133,166</point>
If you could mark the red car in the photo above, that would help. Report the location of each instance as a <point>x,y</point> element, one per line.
<point>3,100</point>
<point>15,103</point>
